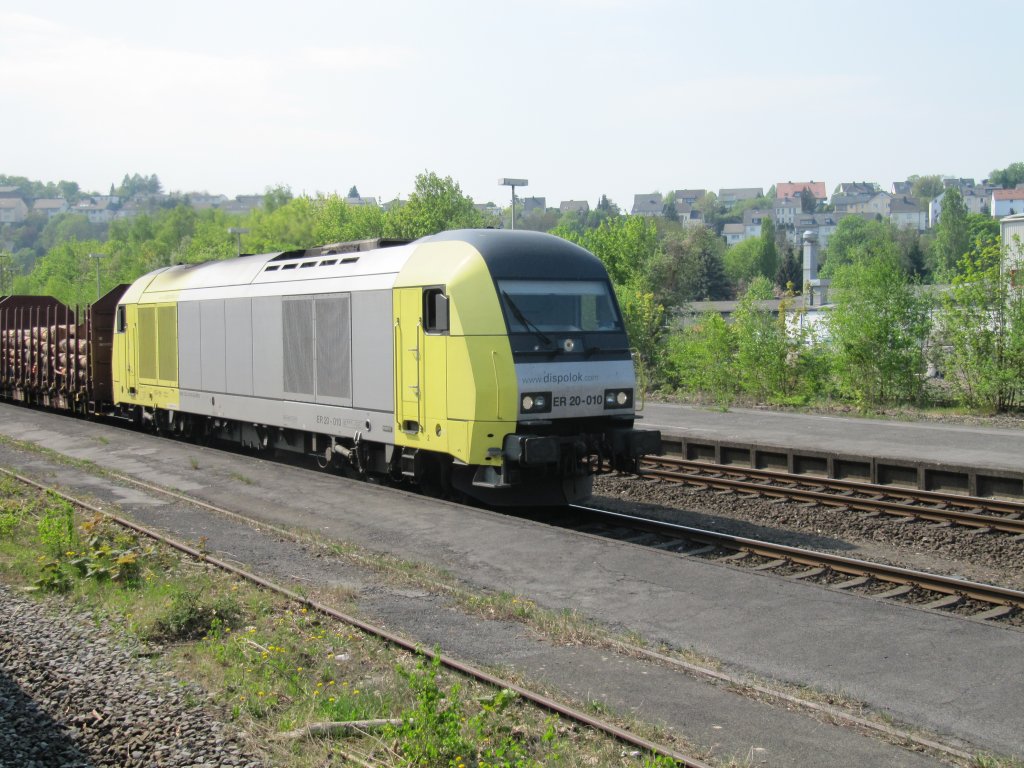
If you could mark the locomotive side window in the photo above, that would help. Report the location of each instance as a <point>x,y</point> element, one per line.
<point>559,305</point>
<point>435,310</point>
<point>122,321</point>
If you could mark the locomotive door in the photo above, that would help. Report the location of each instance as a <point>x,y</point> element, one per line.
<point>421,357</point>
<point>408,360</point>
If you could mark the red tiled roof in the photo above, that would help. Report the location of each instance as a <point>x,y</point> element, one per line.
<point>791,189</point>
<point>1008,194</point>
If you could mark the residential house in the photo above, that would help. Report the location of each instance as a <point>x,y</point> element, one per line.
<point>12,210</point>
<point>822,224</point>
<point>902,188</point>
<point>785,211</point>
<point>534,204</point>
<point>688,215</point>
<point>356,200</point>
<point>574,206</point>
<point>729,197</point>
<point>795,189</point>
<point>856,188</point>
<point>244,204</point>
<point>202,200</point>
<point>905,213</point>
<point>99,209</point>
<point>689,196</point>
<point>50,206</point>
<point>960,184</point>
<point>1007,202</point>
<point>1011,232</point>
<point>863,202</point>
<point>733,233</point>
<point>488,210</point>
<point>752,218</point>
<point>132,208</point>
<point>10,191</point>
<point>648,205</point>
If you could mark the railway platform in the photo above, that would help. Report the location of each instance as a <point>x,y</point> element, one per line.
<point>953,458</point>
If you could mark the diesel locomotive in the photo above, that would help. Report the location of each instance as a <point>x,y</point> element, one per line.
<point>489,363</point>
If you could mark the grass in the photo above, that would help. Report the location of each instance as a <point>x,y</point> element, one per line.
<point>566,627</point>
<point>272,667</point>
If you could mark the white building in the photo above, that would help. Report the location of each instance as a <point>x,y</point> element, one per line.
<point>1007,202</point>
<point>1011,232</point>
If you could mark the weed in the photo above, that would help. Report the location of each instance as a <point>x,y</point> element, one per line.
<point>438,730</point>
<point>241,478</point>
<point>189,617</point>
<point>194,462</point>
<point>53,577</point>
<point>57,527</point>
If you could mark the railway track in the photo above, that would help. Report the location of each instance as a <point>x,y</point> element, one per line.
<point>538,699</point>
<point>982,514</point>
<point>984,602</point>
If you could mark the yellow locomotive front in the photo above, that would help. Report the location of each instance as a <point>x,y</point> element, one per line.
<point>511,358</point>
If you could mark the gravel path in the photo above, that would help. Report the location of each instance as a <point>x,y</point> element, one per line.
<point>73,695</point>
<point>952,550</point>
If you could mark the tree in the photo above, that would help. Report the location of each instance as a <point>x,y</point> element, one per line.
<point>981,332</point>
<point>353,191</point>
<point>6,272</point>
<point>669,208</point>
<point>711,210</point>
<point>434,206</point>
<point>1009,177</point>
<point>769,253</point>
<point>626,245</point>
<point>762,345</point>
<point>690,268</point>
<point>701,360</point>
<point>275,197</point>
<point>808,202</point>
<point>789,275</point>
<point>878,327</point>
<point>925,188</point>
<point>743,261</point>
<point>952,238</point>
<point>857,239</point>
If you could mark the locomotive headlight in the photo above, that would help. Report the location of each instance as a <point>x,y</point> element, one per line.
<point>535,402</point>
<point>618,398</point>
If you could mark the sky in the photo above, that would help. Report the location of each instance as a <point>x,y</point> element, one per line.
<point>580,97</point>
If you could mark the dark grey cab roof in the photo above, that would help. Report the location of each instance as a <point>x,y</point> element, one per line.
<point>523,254</point>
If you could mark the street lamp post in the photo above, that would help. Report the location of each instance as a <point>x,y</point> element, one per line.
<point>239,231</point>
<point>98,256</point>
<point>513,183</point>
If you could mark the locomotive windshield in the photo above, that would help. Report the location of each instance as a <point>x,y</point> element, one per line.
<point>558,306</point>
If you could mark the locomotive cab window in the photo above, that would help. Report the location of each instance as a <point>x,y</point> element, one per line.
<point>122,321</point>
<point>559,306</point>
<point>435,310</point>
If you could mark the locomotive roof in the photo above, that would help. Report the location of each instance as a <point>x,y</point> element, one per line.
<point>508,255</point>
<point>524,254</point>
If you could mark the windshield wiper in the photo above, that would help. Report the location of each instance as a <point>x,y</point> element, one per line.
<point>525,321</point>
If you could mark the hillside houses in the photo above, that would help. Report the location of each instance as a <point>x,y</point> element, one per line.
<point>854,198</point>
